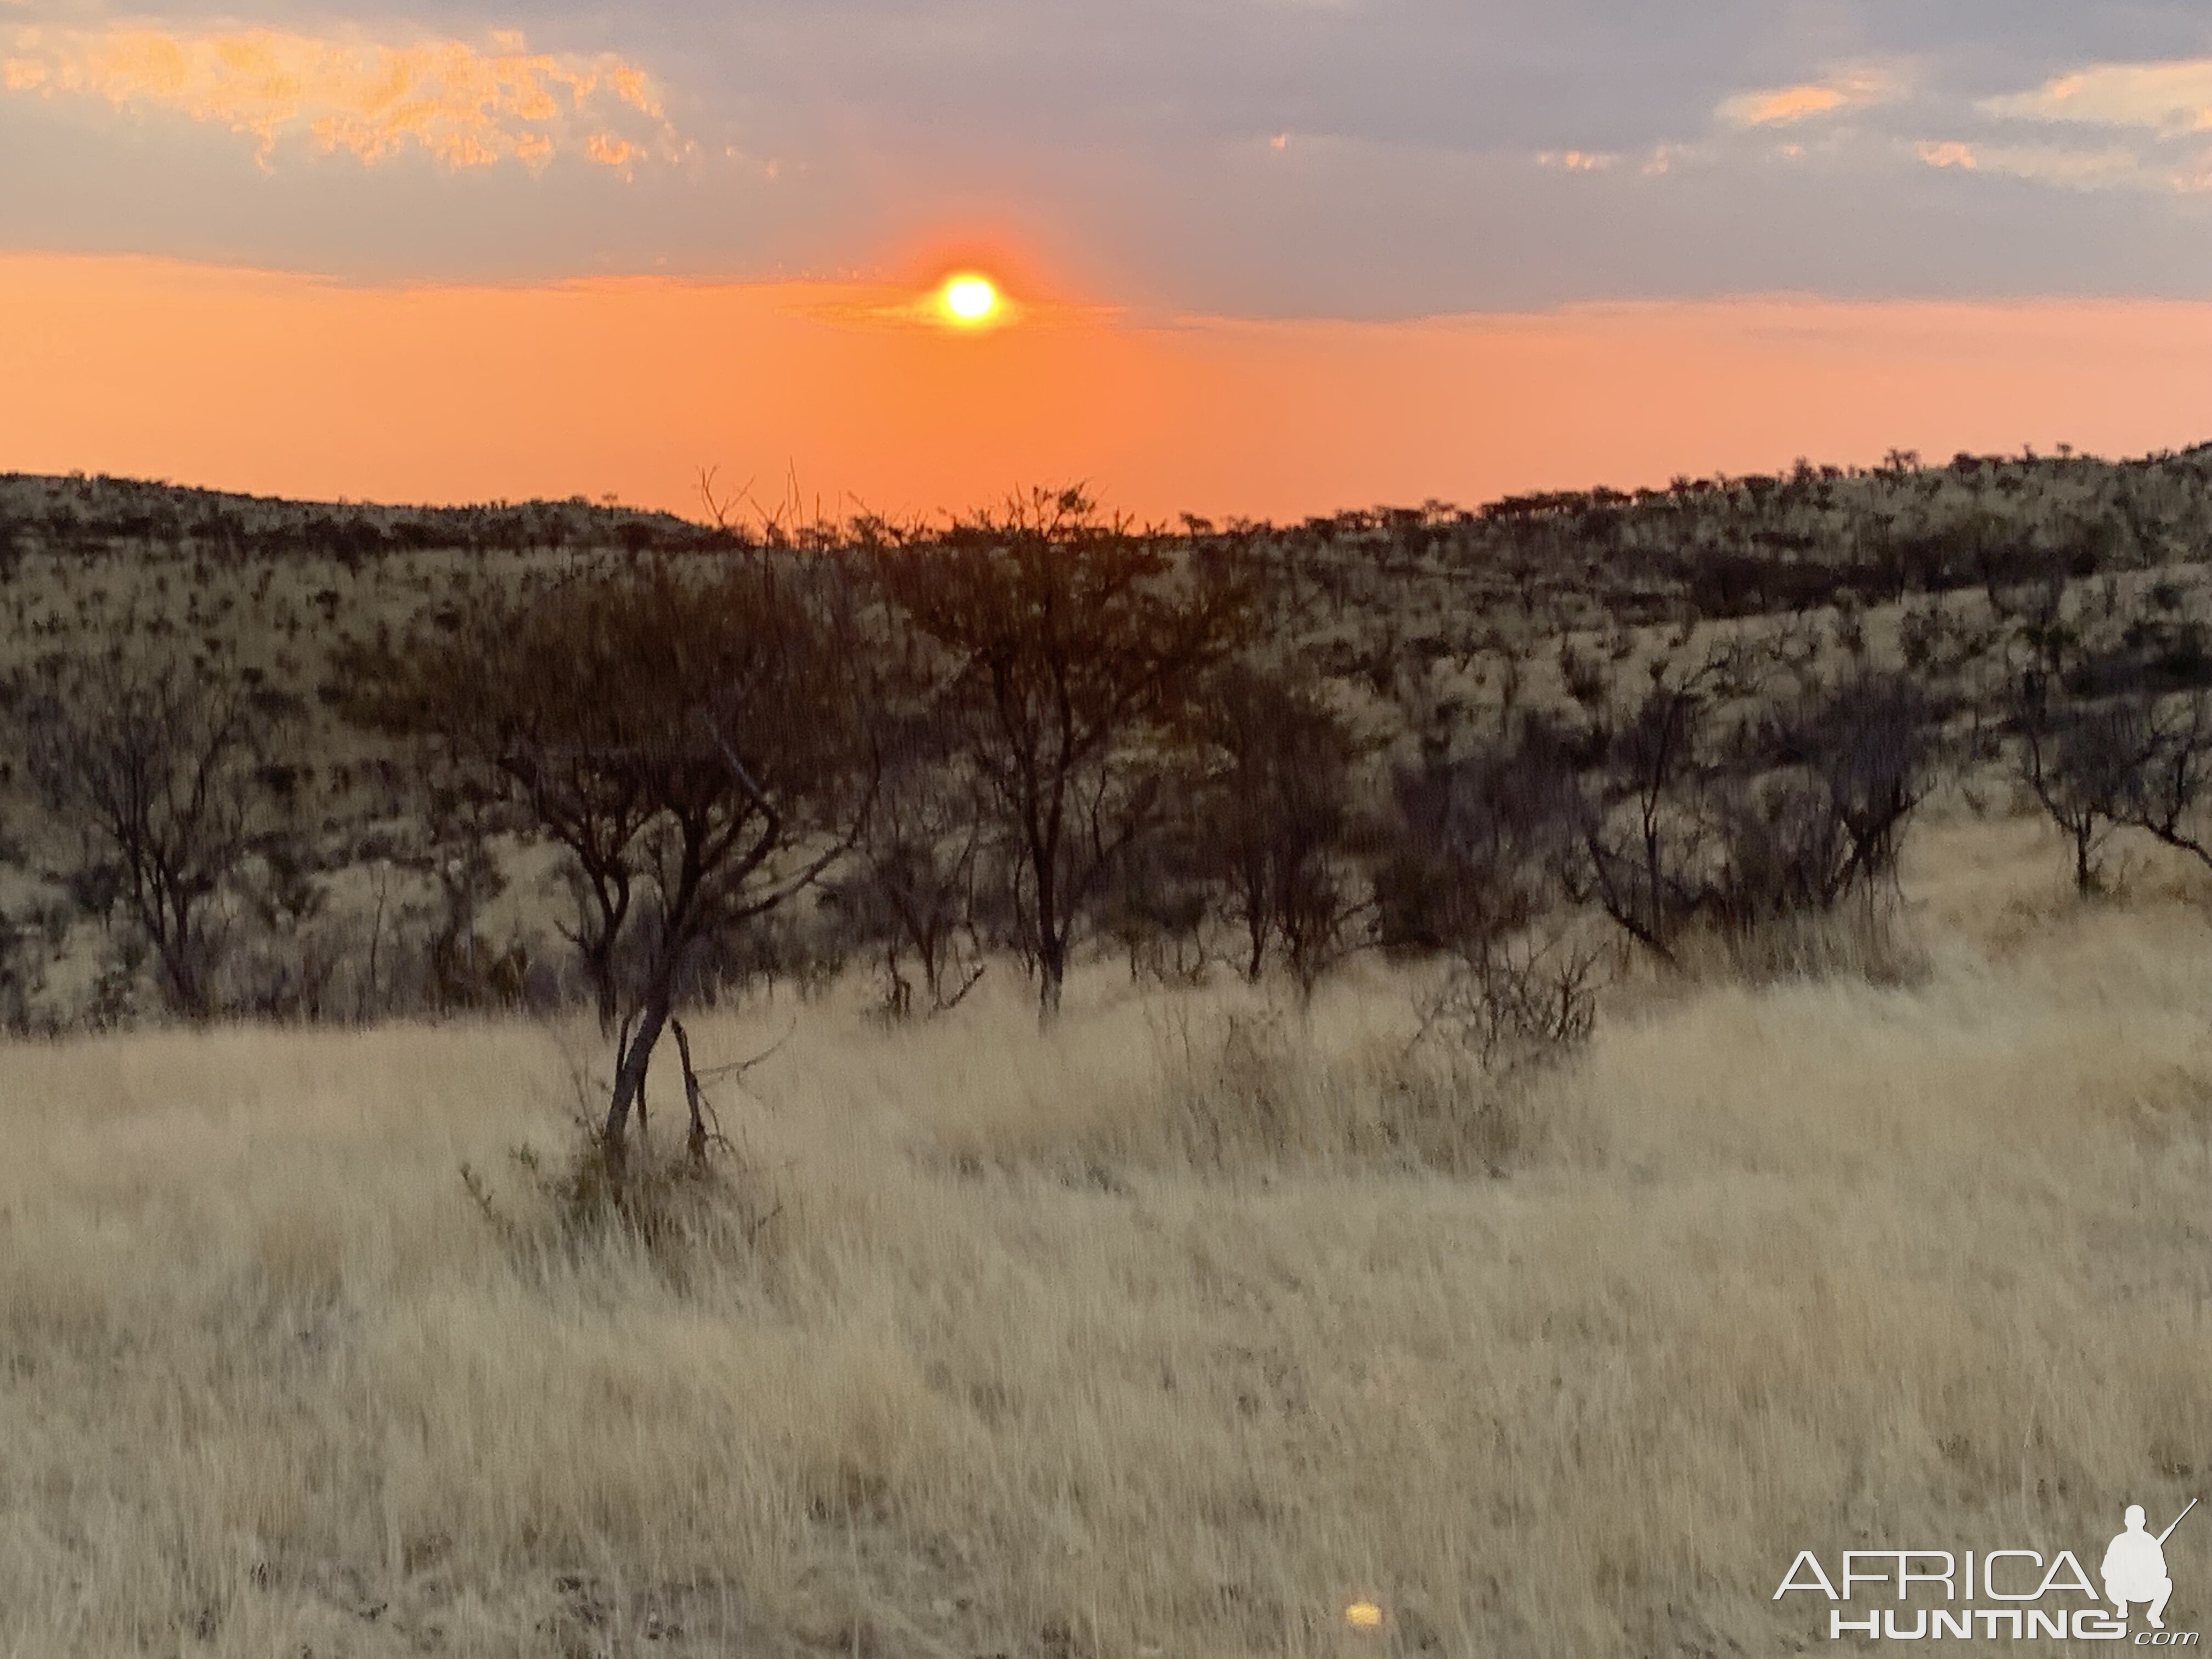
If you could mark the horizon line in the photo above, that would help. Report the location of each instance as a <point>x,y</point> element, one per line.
<point>1600,494</point>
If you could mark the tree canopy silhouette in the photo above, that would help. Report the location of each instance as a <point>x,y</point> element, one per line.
<point>693,741</point>
<point>1071,643</point>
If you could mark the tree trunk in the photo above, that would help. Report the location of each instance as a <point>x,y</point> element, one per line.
<point>1051,931</point>
<point>188,989</point>
<point>629,1076</point>
<point>695,1142</point>
<point>1052,970</point>
<point>167,919</point>
<point>598,963</point>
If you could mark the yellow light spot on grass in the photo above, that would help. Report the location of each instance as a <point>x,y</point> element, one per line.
<point>1362,1615</point>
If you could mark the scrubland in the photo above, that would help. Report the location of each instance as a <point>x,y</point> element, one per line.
<point>1174,1330</point>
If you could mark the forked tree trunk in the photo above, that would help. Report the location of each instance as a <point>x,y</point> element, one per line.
<point>629,1073</point>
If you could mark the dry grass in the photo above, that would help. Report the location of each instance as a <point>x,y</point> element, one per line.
<point>1172,1333</point>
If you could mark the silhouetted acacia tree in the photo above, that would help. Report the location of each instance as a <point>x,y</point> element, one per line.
<point>1781,813</point>
<point>1479,838</point>
<point>2173,800</point>
<point>1647,827</point>
<point>694,740</point>
<point>1276,817</point>
<point>1818,806</point>
<point>1156,905</point>
<point>1071,644</point>
<point>153,759</point>
<point>464,820</point>
<point>2140,762</point>
<point>2085,768</point>
<point>914,893</point>
<point>2113,722</point>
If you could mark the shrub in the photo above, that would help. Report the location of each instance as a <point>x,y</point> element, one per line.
<point>1513,1005</point>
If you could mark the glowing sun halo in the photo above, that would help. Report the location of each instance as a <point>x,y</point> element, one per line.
<point>969,299</point>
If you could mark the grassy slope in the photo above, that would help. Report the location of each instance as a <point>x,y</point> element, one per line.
<point>1424,625</point>
<point>1045,1356</point>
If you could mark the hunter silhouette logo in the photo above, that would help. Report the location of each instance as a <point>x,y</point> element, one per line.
<point>2134,1566</point>
<point>2025,1592</point>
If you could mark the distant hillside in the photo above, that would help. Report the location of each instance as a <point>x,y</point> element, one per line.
<point>77,512</point>
<point>1432,639</point>
<point>1716,547</point>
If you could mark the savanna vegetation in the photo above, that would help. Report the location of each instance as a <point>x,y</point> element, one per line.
<point>1037,1085</point>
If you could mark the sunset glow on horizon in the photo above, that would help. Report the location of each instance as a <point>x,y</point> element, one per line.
<point>1386,254</point>
<point>288,385</point>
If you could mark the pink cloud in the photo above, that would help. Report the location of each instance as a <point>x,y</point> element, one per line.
<point>464,106</point>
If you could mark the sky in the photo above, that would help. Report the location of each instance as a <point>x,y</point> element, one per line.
<point>1261,257</point>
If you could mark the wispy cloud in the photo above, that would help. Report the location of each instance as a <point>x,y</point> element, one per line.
<point>2171,99</point>
<point>1578,161</point>
<point>2145,116</point>
<point>464,105</point>
<point>2112,166</point>
<point>1851,88</point>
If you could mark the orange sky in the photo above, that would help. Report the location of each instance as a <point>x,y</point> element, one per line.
<point>288,385</point>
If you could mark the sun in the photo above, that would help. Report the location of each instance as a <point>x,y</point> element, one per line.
<point>970,300</point>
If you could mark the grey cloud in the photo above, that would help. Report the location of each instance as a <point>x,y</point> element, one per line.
<point>1129,142</point>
